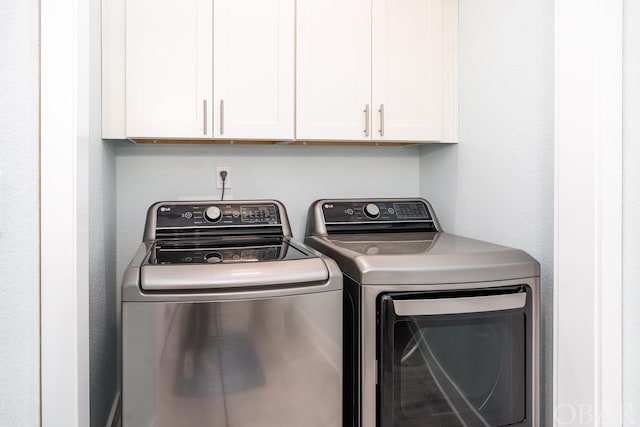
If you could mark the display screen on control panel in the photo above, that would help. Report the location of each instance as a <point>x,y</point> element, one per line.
<point>260,214</point>
<point>411,211</point>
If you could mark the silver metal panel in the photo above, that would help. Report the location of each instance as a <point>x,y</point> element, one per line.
<point>441,258</point>
<point>415,258</point>
<point>267,362</point>
<point>369,338</point>
<point>429,307</point>
<point>154,277</point>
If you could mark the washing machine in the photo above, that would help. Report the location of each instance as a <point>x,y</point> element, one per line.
<point>226,321</point>
<point>440,330</point>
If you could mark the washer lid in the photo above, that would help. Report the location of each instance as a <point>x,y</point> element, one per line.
<point>423,258</point>
<point>224,250</point>
<point>200,264</point>
<point>219,277</point>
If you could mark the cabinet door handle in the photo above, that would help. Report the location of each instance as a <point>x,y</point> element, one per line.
<point>222,117</point>
<point>204,112</point>
<point>381,111</point>
<point>366,120</point>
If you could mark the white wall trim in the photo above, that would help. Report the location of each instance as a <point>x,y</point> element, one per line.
<point>588,213</point>
<point>64,130</point>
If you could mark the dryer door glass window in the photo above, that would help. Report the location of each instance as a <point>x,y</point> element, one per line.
<point>444,365</point>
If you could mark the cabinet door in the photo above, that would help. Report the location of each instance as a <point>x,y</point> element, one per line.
<point>253,79</point>
<point>333,69</point>
<point>168,68</point>
<point>407,70</point>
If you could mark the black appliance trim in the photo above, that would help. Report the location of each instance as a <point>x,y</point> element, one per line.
<point>199,232</point>
<point>382,227</point>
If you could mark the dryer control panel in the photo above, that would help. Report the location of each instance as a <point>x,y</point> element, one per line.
<point>374,210</point>
<point>340,216</point>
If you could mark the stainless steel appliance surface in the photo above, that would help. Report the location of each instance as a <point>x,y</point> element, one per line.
<point>440,329</point>
<point>226,321</point>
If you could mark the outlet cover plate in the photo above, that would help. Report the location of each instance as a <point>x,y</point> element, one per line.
<point>227,184</point>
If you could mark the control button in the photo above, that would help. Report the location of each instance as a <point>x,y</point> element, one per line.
<point>349,211</point>
<point>372,210</point>
<point>213,258</point>
<point>391,211</point>
<point>235,214</point>
<point>188,215</point>
<point>213,214</point>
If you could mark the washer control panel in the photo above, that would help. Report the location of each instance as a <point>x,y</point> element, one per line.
<point>375,210</point>
<point>216,215</point>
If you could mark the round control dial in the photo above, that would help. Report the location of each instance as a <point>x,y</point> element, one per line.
<point>371,210</point>
<point>213,214</point>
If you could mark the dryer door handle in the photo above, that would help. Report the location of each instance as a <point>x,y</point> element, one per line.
<point>439,306</point>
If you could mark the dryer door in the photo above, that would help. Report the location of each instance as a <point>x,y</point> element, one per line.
<point>458,358</point>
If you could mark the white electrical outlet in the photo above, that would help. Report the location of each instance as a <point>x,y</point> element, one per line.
<point>227,183</point>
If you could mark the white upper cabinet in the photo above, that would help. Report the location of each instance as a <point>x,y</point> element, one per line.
<point>333,59</point>
<point>281,70</point>
<point>168,68</point>
<point>253,76</point>
<point>210,69</point>
<point>381,70</point>
<point>407,70</point>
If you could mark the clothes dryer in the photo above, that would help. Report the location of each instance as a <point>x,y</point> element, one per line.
<point>440,329</point>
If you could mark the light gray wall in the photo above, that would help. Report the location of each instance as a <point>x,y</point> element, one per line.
<point>497,183</point>
<point>19,219</point>
<point>294,175</point>
<point>631,212</point>
<point>103,284</point>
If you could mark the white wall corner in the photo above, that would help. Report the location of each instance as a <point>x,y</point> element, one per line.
<point>588,214</point>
